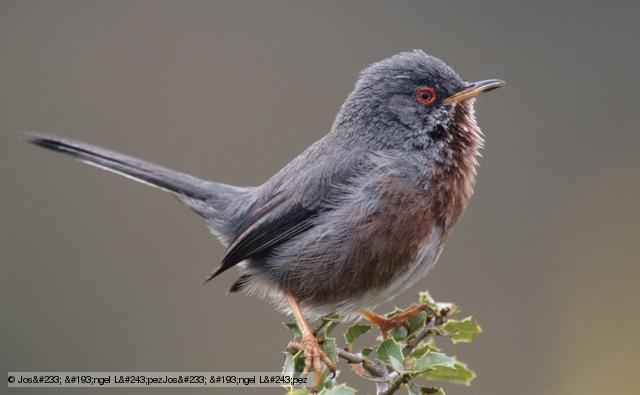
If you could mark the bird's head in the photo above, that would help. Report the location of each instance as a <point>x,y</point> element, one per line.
<point>408,101</point>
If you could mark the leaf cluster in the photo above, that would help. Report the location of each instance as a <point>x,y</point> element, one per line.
<point>408,359</point>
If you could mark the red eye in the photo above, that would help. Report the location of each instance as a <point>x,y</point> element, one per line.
<point>425,95</point>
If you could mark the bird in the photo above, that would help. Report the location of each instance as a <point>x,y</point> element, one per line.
<point>356,218</point>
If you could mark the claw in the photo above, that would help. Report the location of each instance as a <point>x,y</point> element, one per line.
<point>314,357</point>
<point>313,354</point>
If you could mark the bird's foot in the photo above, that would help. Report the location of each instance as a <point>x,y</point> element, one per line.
<point>314,356</point>
<point>388,324</point>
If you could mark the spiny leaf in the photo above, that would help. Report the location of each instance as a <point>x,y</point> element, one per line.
<point>431,360</point>
<point>355,331</point>
<point>458,373</point>
<point>462,331</point>
<point>341,389</point>
<point>389,347</point>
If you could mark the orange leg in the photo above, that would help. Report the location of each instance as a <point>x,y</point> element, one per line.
<point>314,355</point>
<point>387,324</point>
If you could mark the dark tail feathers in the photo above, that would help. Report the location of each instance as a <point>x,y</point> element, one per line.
<point>169,180</point>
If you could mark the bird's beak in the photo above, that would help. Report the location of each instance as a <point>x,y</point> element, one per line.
<point>473,89</point>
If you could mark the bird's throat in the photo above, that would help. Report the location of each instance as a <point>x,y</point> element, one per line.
<point>455,165</point>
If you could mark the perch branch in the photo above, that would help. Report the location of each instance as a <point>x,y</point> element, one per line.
<point>380,369</point>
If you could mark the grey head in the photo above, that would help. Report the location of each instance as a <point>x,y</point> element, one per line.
<point>404,102</point>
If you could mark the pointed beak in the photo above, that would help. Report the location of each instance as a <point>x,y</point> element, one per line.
<point>473,89</point>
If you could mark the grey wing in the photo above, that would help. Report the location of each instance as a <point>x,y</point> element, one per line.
<point>291,209</point>
<point>273,226</point>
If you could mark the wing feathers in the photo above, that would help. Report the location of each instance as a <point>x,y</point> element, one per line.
<point>276,225</point>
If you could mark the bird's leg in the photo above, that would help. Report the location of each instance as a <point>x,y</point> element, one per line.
<point>387,324</point>
<point>314,355</point>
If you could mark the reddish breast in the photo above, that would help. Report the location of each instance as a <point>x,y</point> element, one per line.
<point>391,241</point>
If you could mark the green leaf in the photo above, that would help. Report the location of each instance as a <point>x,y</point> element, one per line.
<point>462,331</point>
<point>396,364</point>
<point>459,373</point>
<point>420,351</point>
<point>329,323</point>
<point>293,363</point>
<point>399,333</point>
<point>390,347</point>
<point>355,331</point>
<point>423,349</point>
<point>431,360</point>
<point>341,389</point>
<point>417,322</point>
<point>329,346</point>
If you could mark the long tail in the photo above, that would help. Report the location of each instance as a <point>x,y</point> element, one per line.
<point>157,176</point>
<point>213,201</point>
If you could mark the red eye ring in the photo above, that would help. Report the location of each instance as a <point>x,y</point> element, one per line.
<point>425,95</point>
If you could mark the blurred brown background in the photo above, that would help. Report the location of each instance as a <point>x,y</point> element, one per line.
<point>102,274</point>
